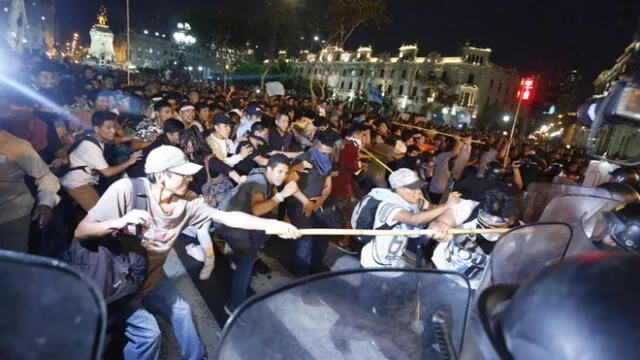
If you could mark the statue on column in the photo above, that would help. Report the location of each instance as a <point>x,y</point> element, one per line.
<point>102,16</point>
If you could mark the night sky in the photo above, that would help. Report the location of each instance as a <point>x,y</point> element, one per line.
<point>536,36</point>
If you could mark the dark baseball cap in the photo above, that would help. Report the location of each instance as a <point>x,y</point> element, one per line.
<point>222,118</point>
<point>253,109</point>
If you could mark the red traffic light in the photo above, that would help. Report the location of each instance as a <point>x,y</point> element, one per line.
<point>525,92</point>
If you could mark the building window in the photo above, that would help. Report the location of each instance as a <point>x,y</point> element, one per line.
<point>344,72</point>
<point>393,73</point>
<point>361,72</point>
<point>491,84</point>
<point>382,73</point>
<point>414,92</point>
<point>390,89</point>
<point>465,99</point>
<point>404,74</point>
<point>358,86</point>
<point>342,85</point>
<point>401,90</point>
<point>471,78</point>
<point>499,87</point>
<point>350,85</point>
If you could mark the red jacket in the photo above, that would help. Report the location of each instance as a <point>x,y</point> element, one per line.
<point>349,165</point>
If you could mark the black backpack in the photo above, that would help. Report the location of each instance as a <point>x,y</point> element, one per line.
<point>117,264</point>
<point>64,169</point>
<point>364,216</point>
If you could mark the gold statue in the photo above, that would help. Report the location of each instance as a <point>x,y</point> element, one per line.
<point>102,16</point>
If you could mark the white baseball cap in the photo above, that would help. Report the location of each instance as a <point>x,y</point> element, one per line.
<point>405,178</point>
<point>235,111</point>
<point>169,158</point>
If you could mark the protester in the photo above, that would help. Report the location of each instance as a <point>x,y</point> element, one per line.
<point>171,208</point>
<point>257,196</point>
<point>345,187</point>
<point>308,209</point>
<point>87,161</point>
<point>18,160</point>
<point>469,254</point>
<point>400,208</point>
<point>252,115</point>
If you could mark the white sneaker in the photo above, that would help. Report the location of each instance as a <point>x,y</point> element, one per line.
<point>195,251</point>
<point>206,271</point>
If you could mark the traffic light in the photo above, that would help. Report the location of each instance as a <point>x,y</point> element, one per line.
<point>525,92</point>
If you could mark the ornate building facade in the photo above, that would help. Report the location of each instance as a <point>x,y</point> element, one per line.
<point>466,84</point>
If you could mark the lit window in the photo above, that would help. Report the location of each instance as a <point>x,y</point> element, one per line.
<point>43,18</point>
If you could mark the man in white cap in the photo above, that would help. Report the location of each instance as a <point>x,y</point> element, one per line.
<point>170,208</point>
<point>402,207</point>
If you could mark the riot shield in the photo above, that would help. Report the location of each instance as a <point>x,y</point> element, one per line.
<point>539,195</point>
<point>353,314</point>
<point>519,255</point>
<point>525,251</point>
<point>48,310</point>
<point>579,212</point>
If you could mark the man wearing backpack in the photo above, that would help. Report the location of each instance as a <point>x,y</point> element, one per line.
<point>402,207</point>
<point>170,209</point>
<point>87,161</point>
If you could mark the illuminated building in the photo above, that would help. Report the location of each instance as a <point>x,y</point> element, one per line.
<point>155,51</point>
<point>414,82</point>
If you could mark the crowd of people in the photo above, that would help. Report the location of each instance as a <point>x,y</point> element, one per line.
<point>79,148</point>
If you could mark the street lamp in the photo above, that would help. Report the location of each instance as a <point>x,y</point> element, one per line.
<point>506,118</point>
<point>316,38</point>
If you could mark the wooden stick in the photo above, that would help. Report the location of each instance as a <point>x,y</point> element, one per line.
<point>365,232</point>
<point>367,152</point>
<point>435,132</point>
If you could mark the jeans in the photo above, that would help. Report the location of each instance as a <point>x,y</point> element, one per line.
<point>310,250</point>
<point>142,329</point>
<point>245,245</point>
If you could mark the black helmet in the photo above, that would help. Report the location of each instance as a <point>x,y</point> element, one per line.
<point>624,226</point>
<point>582,308</point>
<point>493,171</point>
<point>624,193</point>
<point>624,175</point>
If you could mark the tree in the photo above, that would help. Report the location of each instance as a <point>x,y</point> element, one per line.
<point>342,18</point>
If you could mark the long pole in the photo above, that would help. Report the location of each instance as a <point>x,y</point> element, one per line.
<point>513,129</point>
<point>428,232</point>
<point>374,158</point>
<point>128,48</point>
<point>431,131</point>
